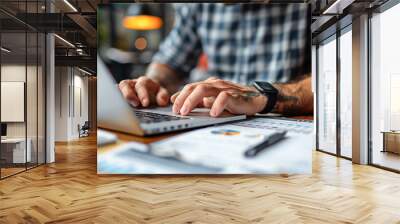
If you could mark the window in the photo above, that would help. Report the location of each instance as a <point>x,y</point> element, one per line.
<point>327,95</point>
<point>385,89</point>
<point>346,93</point>
<point>334,138</point>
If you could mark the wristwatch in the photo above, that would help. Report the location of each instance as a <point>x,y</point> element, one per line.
<point>268,90</point>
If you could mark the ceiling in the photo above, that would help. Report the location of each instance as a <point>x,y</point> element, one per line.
<point>72,20</point>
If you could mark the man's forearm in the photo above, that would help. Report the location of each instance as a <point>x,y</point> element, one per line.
<point>166,76</point>
<point>295,98</point>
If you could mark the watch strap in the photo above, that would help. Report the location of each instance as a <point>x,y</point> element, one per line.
<point>270,92</point>
<point>271,102</point>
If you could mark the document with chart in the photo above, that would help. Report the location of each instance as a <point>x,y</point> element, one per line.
<point>221,149</point>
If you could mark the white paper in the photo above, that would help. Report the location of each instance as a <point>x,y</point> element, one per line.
<point>224,146</point>
<point>105,137</point>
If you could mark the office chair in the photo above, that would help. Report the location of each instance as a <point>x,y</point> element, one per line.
<point>84,130</point>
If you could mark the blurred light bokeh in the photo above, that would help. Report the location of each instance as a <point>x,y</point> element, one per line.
<point>129,34</point>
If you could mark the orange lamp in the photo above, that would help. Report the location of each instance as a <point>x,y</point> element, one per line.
<point>142,22</point>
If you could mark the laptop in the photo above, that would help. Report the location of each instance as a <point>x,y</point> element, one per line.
<point>115,113</point>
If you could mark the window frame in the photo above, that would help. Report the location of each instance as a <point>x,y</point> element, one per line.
<point>341,27</point>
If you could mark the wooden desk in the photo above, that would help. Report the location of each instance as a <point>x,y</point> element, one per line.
<point>275,159</point>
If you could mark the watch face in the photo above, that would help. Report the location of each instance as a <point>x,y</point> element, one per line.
<point>265,86</point>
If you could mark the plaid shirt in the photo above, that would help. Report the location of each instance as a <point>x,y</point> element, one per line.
<point>242,42</point>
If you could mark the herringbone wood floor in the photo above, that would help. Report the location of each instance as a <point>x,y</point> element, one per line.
<point>70,191</point>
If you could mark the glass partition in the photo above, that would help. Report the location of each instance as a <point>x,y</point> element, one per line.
<point>22,90</point>
<point>41,87</point>
<point>41,97</point>
<point>15,150</point>
<point>31,99</point>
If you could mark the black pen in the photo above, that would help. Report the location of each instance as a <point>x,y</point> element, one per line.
<point>272,139</point>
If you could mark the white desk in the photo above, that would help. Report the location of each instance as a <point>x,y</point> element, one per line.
<point>18,151</point>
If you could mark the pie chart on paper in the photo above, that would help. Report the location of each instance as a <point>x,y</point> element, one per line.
<point>226,132</point>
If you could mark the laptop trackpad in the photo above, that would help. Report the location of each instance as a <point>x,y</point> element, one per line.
<point>205,112</point>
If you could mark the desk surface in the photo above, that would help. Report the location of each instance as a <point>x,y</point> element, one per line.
<point>125,138</point>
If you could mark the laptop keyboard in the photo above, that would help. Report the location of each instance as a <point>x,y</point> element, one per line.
<point>148,117</point>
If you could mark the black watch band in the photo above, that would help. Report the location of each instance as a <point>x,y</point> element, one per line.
<point>270,92</point>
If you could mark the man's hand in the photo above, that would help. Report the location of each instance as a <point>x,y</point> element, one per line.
<point>219,95</point>
<point>144,92</point>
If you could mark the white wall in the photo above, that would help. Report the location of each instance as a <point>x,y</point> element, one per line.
<point>12,73</point>
<point>80,94</point>
<point>61,103</point>
<point>71,93</point>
